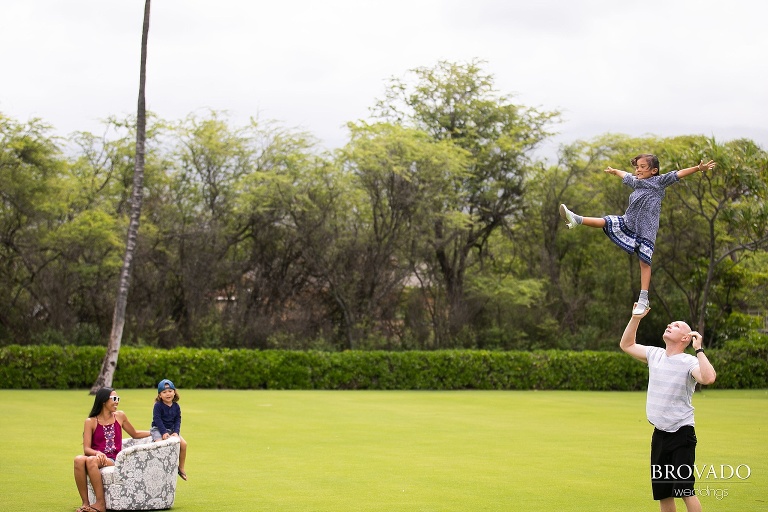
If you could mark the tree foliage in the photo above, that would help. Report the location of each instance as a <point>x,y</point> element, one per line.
<point>435,226</point>
<point>457,103</point>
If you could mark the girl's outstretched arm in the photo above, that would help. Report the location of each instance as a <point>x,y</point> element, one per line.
<point>616,172</point>
<point>708,166</point>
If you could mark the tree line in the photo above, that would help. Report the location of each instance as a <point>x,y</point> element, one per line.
<point>435,226</point>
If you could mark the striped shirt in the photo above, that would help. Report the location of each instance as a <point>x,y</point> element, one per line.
<point>670,388</point>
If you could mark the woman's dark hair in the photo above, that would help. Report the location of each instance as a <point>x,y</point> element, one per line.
<point>651,160</point>
<point>102,395</point>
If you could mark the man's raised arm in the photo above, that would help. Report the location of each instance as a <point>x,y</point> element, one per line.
<point>628,344</point>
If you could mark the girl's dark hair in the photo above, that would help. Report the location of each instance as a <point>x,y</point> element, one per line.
<point>176,396</point>
<point>102,395</point>
<point>651,160</point>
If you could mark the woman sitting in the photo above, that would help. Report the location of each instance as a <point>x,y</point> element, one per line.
<point>102,441</point>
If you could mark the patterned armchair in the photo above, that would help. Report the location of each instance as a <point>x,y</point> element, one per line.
<point>143,477</point>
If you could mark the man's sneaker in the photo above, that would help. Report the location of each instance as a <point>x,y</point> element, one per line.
<point>567,215</point>
<point>641,306</point>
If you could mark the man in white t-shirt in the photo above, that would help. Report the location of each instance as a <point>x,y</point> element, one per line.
<point>672,377</point>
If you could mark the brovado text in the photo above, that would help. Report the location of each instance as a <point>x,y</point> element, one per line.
<point>709,471</point>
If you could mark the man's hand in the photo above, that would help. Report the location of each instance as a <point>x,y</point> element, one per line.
<point>628,343</point>
<point>696,340</point>
<point>704,373</point>
<point>640,315</point>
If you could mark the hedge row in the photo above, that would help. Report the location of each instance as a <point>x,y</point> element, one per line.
<point>741,365</point>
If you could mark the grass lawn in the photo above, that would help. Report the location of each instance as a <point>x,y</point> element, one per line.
<point>396,451</point>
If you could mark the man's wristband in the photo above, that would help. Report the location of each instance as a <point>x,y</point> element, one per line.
<point>699,350</point>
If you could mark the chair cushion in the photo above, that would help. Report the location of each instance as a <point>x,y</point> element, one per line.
<point>108,475</point>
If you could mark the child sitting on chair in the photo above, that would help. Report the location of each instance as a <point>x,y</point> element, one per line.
<point>166,420</point>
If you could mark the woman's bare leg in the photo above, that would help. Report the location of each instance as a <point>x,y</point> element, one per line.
<point>92,467</point>
<point>80,478</point>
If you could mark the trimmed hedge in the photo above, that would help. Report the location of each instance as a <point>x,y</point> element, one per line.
<point>740,365</point>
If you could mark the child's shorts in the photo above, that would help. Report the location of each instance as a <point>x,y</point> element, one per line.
<point>621,235</point>
<point>155,433</point>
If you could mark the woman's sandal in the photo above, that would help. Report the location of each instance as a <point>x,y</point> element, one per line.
<point>183,475</point>
<point>87,508</point>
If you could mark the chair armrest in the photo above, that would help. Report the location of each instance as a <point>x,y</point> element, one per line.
<point>142,445</point>
<point>132,441</point>
<point>136,456</point>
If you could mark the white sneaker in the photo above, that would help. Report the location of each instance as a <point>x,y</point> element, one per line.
<point>640,307</point>
<point>567,215</point>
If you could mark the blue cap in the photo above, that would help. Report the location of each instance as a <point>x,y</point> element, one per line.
<point>163,383</point>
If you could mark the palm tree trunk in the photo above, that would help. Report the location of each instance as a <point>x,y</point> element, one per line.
<point>109,365</point>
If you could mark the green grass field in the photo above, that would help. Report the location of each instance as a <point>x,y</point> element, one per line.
<point>396,451</point>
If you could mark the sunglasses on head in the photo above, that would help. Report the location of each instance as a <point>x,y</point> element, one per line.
<point>115,398</point>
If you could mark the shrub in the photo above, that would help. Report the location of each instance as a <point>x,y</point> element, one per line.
<point>740,364</point>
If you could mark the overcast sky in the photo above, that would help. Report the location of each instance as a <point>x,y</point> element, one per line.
<point>662,67</point>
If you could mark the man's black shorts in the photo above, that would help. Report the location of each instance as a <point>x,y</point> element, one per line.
<point>672,463</point>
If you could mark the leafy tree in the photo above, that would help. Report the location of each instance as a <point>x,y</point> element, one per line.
<point>458,103</point>
<point>210,159</point>
<point>277,290</point>
<point>225,265</point>
<point>99,188</point>
<point>510,306</point>
<point>32,205</point>
<point>562,260</point>
<point>715,221</point>
<point>402,182</point>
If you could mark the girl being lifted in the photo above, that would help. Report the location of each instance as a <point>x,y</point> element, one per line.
<point>635,231</point>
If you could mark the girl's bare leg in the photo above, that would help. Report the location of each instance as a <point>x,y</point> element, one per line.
<point>643,302</point>
<point>182,453</point>
<point>645,275</point>
<point>593,222</point>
